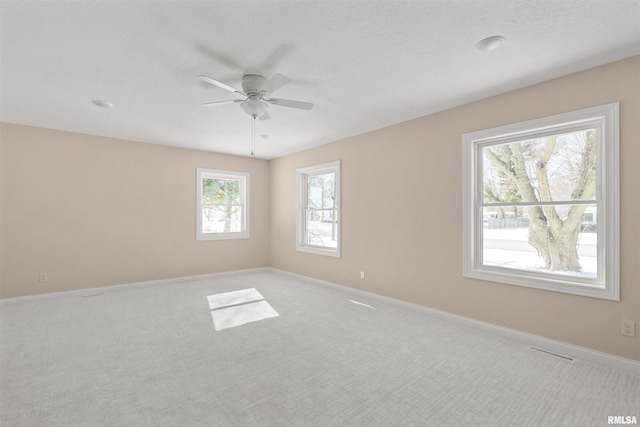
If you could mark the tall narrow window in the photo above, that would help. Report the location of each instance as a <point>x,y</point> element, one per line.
<point>541,203</point>
<point>319,209</point>
<point>222,205</point>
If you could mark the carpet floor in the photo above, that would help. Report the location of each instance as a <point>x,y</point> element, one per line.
<point>152,357</point>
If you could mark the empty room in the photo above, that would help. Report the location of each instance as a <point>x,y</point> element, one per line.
<point>319,213</point>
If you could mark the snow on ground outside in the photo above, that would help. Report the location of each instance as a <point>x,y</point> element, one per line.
<point>508,247</point>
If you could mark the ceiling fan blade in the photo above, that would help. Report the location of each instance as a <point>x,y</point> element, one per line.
<point>211,104</point>
<point>220,84</point>
<point>265,116</point>
<point>290,103</point>
<point>274,83</point>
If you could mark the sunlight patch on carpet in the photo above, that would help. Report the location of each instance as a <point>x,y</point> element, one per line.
<point>233,298</point>
<point>237,315</point>
<point>237,308</point>
<point>361,303</point>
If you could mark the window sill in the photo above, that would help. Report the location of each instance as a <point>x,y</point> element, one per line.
<point>221,236</point>
<point>319,251</point>
<point>555,284</point>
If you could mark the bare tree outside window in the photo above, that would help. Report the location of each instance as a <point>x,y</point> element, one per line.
<point>221,204</point>
<point>321,207</point>
<point>545,184</point>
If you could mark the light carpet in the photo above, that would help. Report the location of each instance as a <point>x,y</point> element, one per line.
<point>151,357</point>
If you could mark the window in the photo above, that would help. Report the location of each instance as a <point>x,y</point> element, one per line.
<point>223,205</point>
<point>541,204</point>
<point>319,209</point>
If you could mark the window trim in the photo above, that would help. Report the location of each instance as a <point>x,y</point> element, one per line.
<point>244,178</point>
<point>301,205</point>
<point>607,195</point>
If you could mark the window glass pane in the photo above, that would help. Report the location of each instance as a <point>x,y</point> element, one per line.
<point>321,191</point>
<point>321,228</point>
<point>221,219</point>
<point>221,191</point>
<point>521,238</point>
<point>553,168</point>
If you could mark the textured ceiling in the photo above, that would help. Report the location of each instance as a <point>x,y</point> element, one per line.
<point>364,64</point>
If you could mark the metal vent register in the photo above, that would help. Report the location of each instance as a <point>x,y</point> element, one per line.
<point>551,353</point>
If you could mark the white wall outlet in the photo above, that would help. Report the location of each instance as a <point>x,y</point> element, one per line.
<point>628,328</point>
<point>362,274</point>
<point>43,277</point>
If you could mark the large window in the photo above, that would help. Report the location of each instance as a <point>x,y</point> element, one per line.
<point>541,203</point>
<point>223,205</point>
<point>319,209</point>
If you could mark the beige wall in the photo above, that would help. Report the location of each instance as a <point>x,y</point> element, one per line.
<point>92,211</point>
<point>402,214</point>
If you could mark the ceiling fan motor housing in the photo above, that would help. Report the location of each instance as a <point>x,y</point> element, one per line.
<point>251,83</point>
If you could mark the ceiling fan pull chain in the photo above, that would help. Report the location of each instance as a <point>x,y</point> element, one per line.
<point>253,136</point>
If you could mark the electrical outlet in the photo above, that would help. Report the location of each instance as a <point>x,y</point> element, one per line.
<point>362,274</point>
<point>44,277</point>
<point>628,328</point>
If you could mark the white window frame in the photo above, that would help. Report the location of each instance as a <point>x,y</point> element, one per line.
<point>243,177</point>
<point>607,284</point>
<point>302,175</point>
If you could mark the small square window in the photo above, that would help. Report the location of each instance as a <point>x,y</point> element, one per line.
<point>222,205</point>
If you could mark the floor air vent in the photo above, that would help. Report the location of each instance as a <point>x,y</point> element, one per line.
<point>551,353</point>
<point>91,295</point>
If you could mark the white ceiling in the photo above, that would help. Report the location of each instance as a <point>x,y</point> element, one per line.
<point>364,64</point>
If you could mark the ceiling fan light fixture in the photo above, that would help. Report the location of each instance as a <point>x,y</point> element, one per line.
<point>254,107</point>
<point>490,43</point>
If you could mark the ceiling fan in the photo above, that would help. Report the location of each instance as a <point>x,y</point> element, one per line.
<point>255,90</point>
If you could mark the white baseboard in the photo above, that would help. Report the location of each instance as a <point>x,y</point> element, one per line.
<point>112,288</point>
<point>576,352</point>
